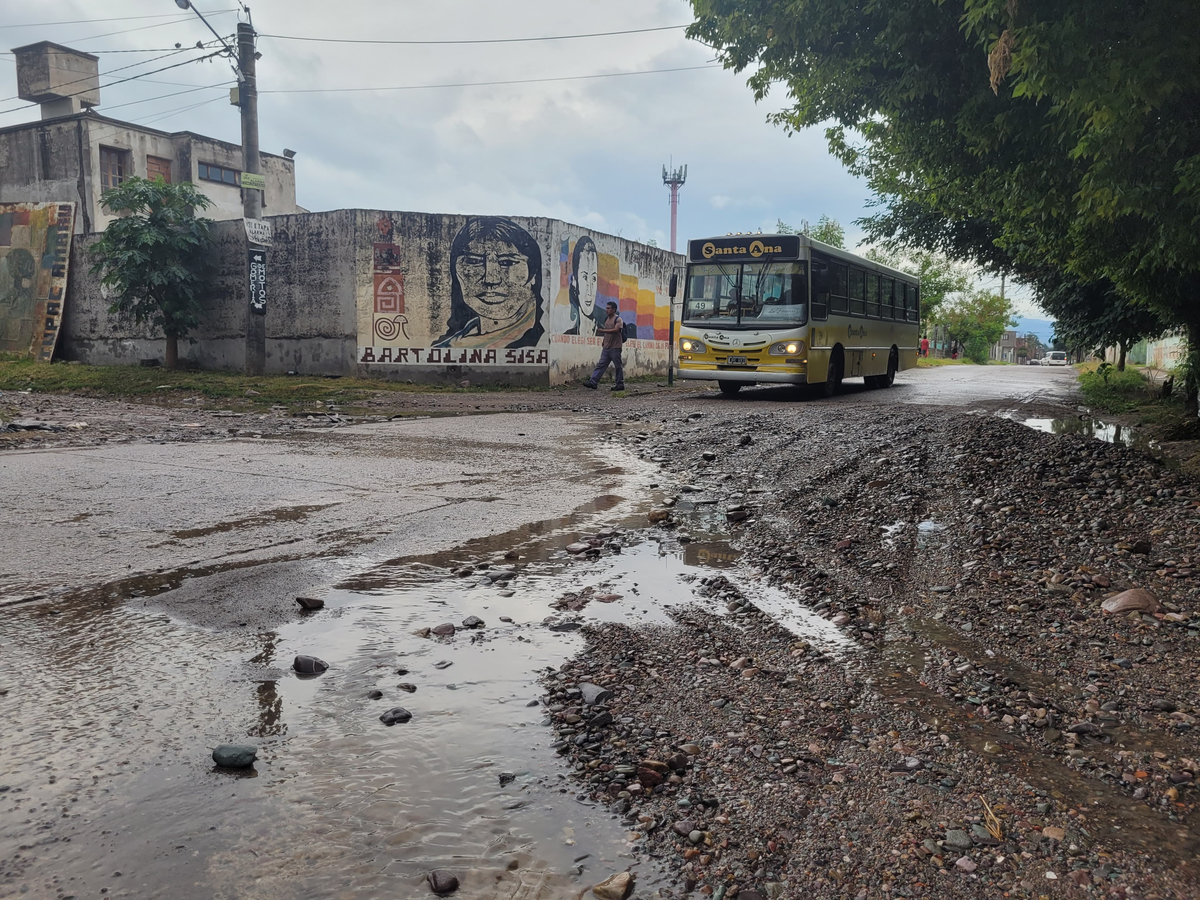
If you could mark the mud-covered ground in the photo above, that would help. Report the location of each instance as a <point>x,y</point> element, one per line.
<point>966,722</point>
<point>991,732</point>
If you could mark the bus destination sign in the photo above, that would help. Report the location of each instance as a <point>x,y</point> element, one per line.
<point>744,247</point>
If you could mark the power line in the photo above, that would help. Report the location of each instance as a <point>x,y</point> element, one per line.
<point>124,80</point>
<point>423,87</point>
<point>115,19</point>
<point>174,112</point>
<point>96,37</point>
<point>519,40</point>
<point>204,87</point>
<point>121,69</point>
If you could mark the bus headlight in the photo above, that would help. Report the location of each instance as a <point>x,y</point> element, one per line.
<point>691,345</point>
<point>787,348</point>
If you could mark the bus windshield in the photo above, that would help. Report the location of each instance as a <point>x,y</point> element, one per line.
<point>746,295</point>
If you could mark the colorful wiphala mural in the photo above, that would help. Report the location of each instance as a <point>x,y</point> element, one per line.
<point>488,291</point>
<point>35,251</point>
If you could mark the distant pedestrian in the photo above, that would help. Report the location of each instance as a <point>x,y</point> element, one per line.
<point>613,334</point>
<point>925,346</point>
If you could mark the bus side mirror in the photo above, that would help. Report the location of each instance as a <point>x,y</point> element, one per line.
<point>673,286</point>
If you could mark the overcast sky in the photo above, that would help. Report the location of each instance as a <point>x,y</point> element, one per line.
<point>589,151</point>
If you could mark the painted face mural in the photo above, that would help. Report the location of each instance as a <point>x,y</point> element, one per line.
<point>496,286</point>
<point>585,280</point>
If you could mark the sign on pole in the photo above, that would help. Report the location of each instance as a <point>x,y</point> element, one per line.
<point>254,182</point>
<point>258,280</point>
<point>259,231</point>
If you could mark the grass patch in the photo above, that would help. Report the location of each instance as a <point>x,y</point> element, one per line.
<point>230,389</point>
<point>933,362</point>
<point>1106,389</point>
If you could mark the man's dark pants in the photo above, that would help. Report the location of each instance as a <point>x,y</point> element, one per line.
<point>610,355</point>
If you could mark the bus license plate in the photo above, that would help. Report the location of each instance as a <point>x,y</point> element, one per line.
<point>735,360</point>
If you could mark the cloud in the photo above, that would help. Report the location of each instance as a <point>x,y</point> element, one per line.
<point>588,151</point>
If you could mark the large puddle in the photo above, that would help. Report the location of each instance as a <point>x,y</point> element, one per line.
<point>113,709</point>
<point>1109,432</point>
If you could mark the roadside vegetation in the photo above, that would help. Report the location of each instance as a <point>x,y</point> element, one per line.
<point>1138,400</point>
<point>237,391</point>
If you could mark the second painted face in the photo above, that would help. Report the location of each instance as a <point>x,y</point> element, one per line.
<point>495,279</point>
<point>587,278</point>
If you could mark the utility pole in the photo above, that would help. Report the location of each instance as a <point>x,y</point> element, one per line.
<point>245,57</point>
<point>674,179</point>
<point>248,100</point>
<point>256,320</point>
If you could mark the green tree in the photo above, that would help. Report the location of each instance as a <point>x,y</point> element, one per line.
<point>1058,135</point>
<point>940,277</point>
<point>827,231</point>
<point>976,320</point>
<point>155,258</point>
<point>1097,315</point>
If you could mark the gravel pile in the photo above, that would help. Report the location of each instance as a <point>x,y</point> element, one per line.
<point>992,730</point>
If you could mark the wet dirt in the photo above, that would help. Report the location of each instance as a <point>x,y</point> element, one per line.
<point>115,704</point>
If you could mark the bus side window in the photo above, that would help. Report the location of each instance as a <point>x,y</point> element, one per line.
<point>902,301</point>
<point>875,297</point>
<point>837,287</point>
<point>913,307</point>
<point>872,289</point>
<point>886,287</point>
<point>858,284</point>
<point>820,288</point>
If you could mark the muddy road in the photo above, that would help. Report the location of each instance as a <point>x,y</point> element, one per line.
<point>898,621</point>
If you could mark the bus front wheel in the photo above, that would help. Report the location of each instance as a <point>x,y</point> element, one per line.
<point>833,377</point>
<point>729,388</point>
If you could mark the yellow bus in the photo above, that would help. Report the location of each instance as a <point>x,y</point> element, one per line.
<point>785,309</point>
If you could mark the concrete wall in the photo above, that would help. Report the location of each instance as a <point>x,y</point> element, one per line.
<point>517,300</point>
<point>400,295</point>
<point>310,323</point>
<point>45,162</point>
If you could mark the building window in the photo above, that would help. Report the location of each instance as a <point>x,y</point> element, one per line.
<point>157,167</point>
<point>114,168</point>
<point>209,172</point>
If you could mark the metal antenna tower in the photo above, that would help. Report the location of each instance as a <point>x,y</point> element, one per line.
<point>674,179</point>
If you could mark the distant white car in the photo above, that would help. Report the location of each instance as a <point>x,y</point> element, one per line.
<point>1033,362</point>
<point>1056,358</point>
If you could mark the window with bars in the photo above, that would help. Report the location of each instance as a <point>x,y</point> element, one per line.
<point>114,168</point>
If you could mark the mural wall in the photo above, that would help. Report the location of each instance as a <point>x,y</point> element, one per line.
<point>524,296</point>
<point>35,252</point>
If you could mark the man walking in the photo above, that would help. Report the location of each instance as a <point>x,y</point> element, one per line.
<point>613,331</point>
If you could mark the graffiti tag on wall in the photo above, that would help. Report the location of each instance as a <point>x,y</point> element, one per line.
<point>35,252</point>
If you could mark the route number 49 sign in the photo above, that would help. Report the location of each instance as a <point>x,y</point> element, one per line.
<point>258,281</point>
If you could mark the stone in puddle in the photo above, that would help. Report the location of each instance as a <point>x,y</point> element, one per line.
<point>309,665</point>
<point>235,756</point>
<point>407,688</point>
<point>578,547</point>
<point>397,715</point>
<point>442,664</point>
<point>958,839</point>
<point>506,777</point>
<point>472,622</point>
<point>615,887</point>
<point>442,882</point>
<point>310,603</point>
<point>1132,600</point>
<point>374,695</point>
<point>446,629</point>
<point>593,694</point>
